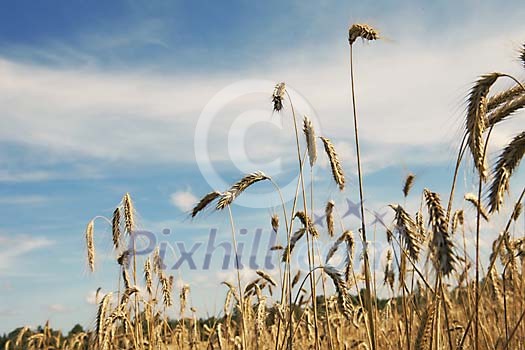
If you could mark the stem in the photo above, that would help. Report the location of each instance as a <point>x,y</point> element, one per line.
<point>363,229</point>
<point>478,223</point>
<point>241,297</point>
<point>305,208</point>
<point>491,266</point>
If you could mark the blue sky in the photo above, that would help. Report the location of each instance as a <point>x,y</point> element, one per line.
<point>101,98</point>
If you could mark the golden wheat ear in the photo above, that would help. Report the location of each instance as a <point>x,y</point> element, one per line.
<point>240,186</point>
<point>90,245</point>
<point>335,164</point>
<point>363,31</point>
<point>278,96</point>
<point>473,199</point>
<point>441,246</point>
<point>329,213</point>
<point>409,181</point>
<point>408,231</point>
<point>204,202</point>
<point>476,120</point>
<point>309,134</point>
<point>507,163</point>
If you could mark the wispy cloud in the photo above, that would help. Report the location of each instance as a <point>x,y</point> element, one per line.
<point>183,200</point>
<point>15,247</point>
<point>23,200</point>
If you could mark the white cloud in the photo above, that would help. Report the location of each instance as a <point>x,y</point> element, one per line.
<point>23,200</point>
<point>57,308</point>
<point>410,96</point>
<point>183,200</point>
<point>17,246</point>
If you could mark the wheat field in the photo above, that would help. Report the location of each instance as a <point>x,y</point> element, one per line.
<point>440,297</point>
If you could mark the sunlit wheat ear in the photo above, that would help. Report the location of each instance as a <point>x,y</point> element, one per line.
<point>278,96</point>
<point>350,245</point>
<point>476,120</point>
<point>204,202</point>
<point>266,277</point>
<point>101,316</point>
<point>128,292</point>
<point>408,231</point>
<point>457,219</point>
<point>363,31</point>
<point>337,169</point>
<point>309,134</point>
<point>229,196</point>
<point>473,199</point>
<point>183,297</point>
<point>389,272</point>
<point>335,246</point>
<point>425,328</point>
<point>329,213</point>
<point>115,227</point>
<point>260,317</point>
<point>522,55</point>
<point>166,291</point>
<point>409,181</point>
<point>507,163</point>
<point>90,245</point>
<point>296,278</point>
<point>20,336</point>
<point>293,241</point>
<point>123,258</point>
<point>147,275</point>
<point>506,109</point>
<point>342,290</point>
<point>441,246</point>
<point>232,289</point>
<point>504,97</point>
<point>220,337</point>
<point>275,222</point>
<point>307,223</point>
<point>129,213</point>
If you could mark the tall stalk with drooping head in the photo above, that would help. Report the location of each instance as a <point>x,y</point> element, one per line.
<point>366,33</point>
<point>478,121</point>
